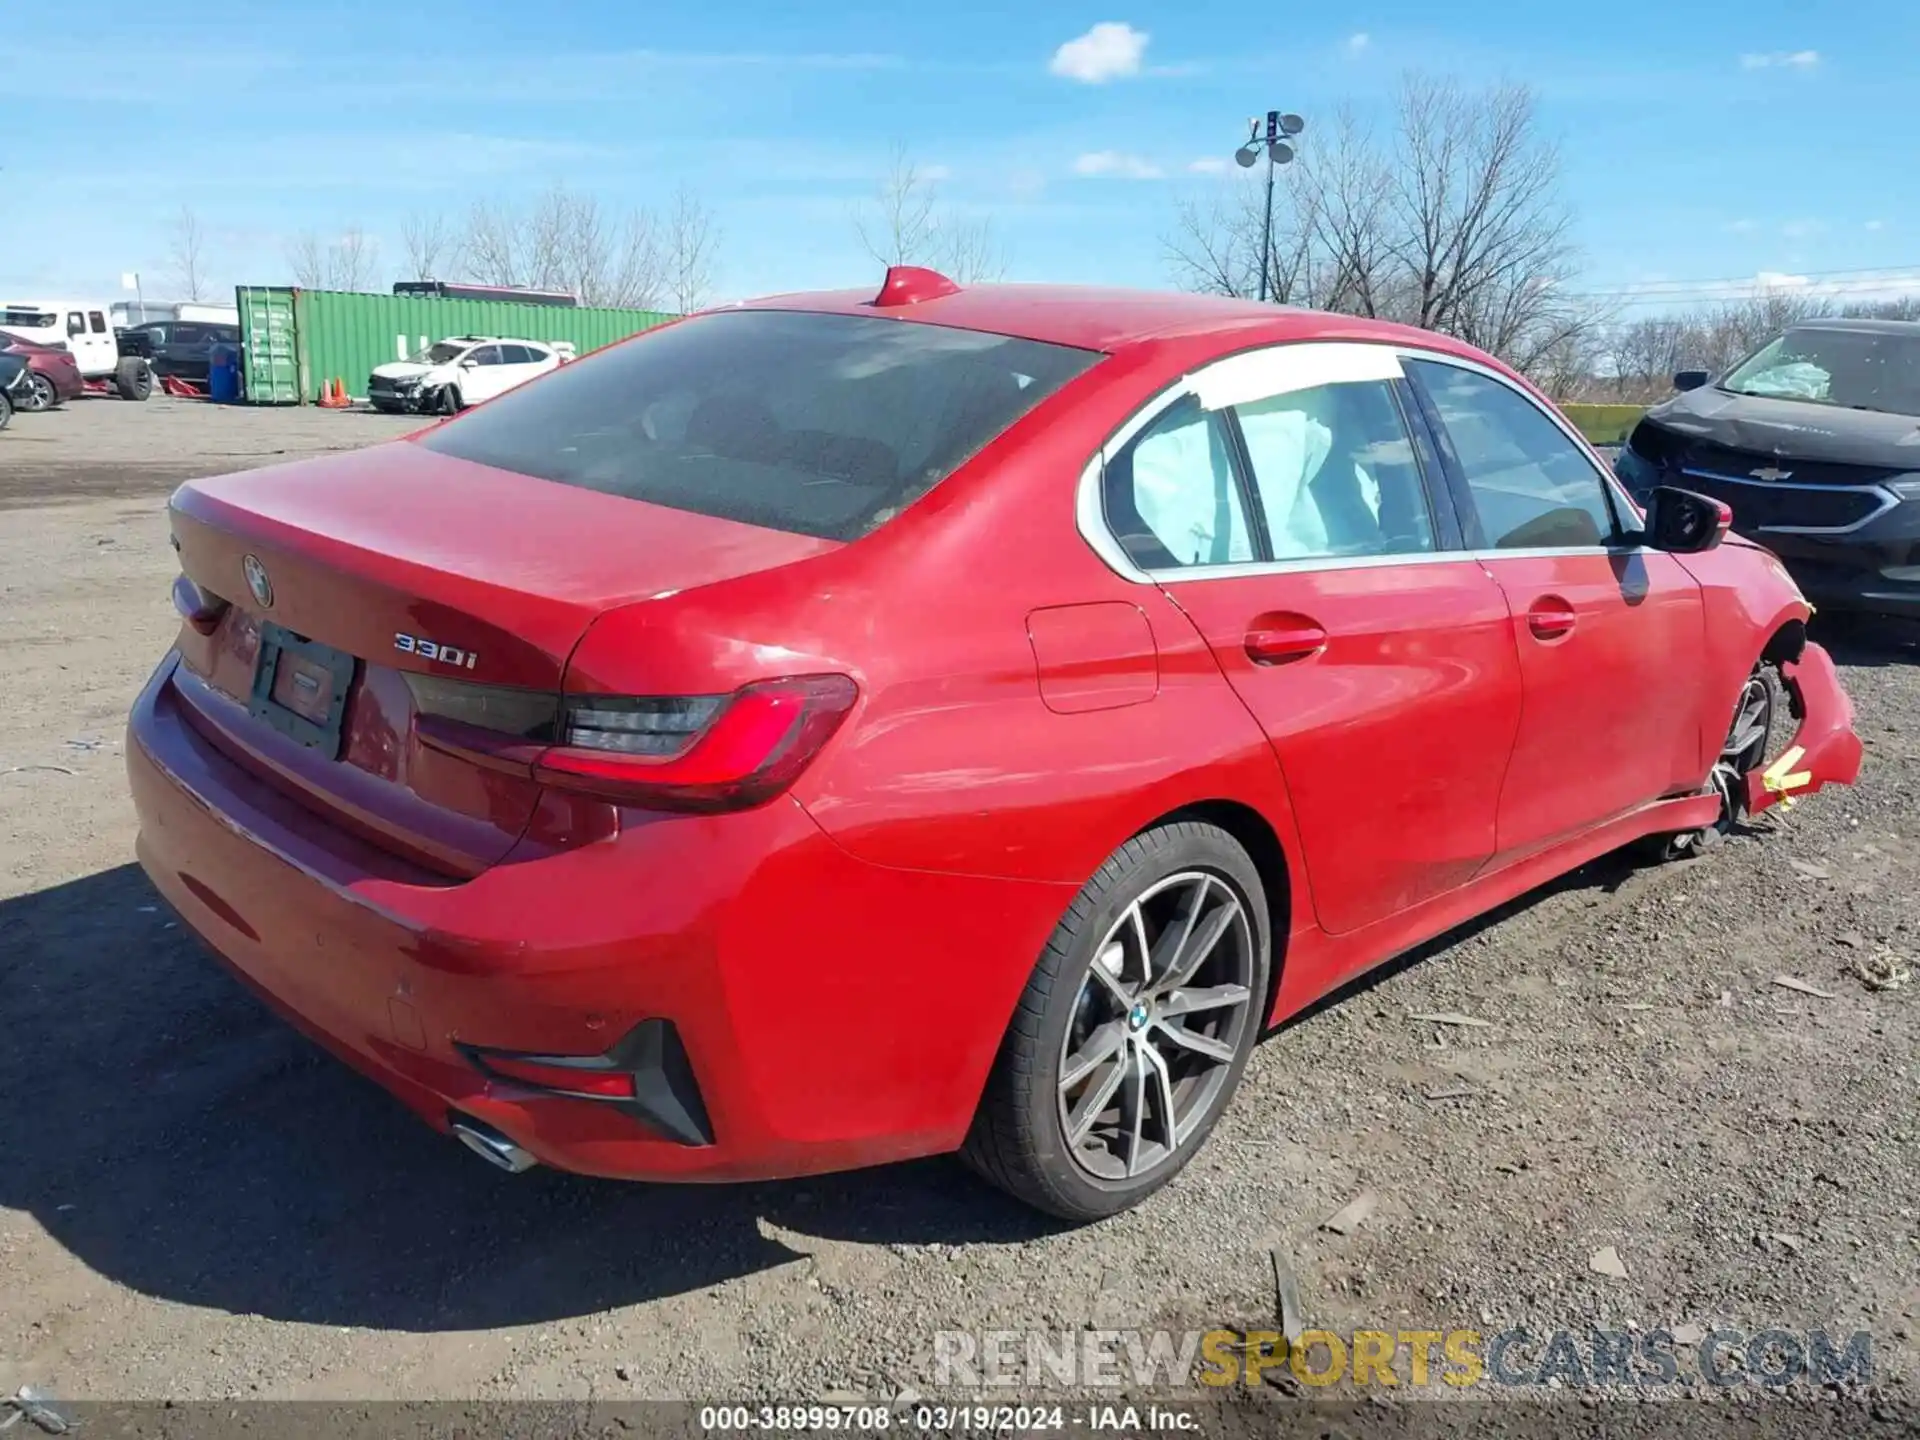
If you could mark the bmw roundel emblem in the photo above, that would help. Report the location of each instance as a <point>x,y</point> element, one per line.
<point>257,581</point>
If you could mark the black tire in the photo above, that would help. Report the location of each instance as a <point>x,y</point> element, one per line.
<point>1019,1138</point>
<point>36,394</point>
<point>450,400</point>
<point>133,379</point>
<point>6,410</point>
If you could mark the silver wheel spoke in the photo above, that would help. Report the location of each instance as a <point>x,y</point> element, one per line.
<point>1163,1096</point>
<point>1102,1044</point>
<point>1091,1104</point>
<point>1194,954</point>
<point>1137,922</point>
<point>1133,1111</point>
<point>1173,939</point>
<point>1208,997</point>
<point>1217,1051</point>
<point>1107,969</point>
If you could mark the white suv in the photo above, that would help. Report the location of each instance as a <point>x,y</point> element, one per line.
<point>462,371</point>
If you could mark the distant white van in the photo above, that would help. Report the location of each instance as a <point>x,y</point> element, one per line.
<point>81,326</point>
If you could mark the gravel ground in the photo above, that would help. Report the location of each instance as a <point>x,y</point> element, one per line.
<point>196,1204</point>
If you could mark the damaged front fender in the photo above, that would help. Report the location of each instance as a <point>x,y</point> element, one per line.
<point>1824,751</point>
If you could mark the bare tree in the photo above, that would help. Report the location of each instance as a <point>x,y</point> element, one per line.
<point>186,255</point>
<point>431,245</point>
<point>346,263</point>
<point>907,225</point>
<point>308,259</point>
<point>567,241</point>
<point>1453,220</point>
<point>356,255</point>
<point>689,244</point>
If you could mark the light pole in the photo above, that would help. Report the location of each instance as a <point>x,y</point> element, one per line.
<point>1280,128</point>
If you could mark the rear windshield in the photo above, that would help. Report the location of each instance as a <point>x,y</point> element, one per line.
<point>824,425</point>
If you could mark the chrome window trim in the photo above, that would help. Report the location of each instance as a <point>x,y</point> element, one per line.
<point>1091,520</point>
<point>1888,500</point>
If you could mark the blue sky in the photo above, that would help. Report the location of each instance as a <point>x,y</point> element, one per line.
<point>1700,140</point>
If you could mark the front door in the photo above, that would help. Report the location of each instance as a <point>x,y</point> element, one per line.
<point>1291,522</point>
<point>1606,630</point>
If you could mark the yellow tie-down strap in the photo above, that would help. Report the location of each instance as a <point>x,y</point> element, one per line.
<point>1782,779</point>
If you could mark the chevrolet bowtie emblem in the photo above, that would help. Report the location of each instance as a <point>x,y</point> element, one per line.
<point>1768,472</point>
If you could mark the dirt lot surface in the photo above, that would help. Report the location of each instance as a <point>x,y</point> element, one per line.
<point>195,1203</point>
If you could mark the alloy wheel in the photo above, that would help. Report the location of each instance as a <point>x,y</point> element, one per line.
<point>37,393</point>
<point>1160,1017</point>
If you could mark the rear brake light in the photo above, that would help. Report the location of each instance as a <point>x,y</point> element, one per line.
<point>728,752</point>
<point>688,752</point>
<point>201,609</point>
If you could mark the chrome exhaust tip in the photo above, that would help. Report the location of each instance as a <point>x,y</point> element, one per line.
<point>490,1145</point>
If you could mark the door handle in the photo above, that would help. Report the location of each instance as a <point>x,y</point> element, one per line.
<point>1551,618</point>
<point>1281,639</point>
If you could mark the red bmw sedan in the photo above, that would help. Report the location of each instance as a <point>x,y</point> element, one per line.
<point>848,727</point>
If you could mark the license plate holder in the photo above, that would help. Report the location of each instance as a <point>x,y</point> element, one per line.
<point>300,688</point>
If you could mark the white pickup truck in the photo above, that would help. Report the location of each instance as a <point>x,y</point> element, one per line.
<point>83,328</point>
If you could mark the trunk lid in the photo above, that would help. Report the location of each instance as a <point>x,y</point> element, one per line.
<point>345,576</point>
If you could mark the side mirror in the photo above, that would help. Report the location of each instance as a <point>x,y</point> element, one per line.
<point>1683,523</point>
<point>1690,379</point>
<point>468,364</point>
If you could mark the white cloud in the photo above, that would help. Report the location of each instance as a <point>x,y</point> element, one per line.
<point>934,174</point>
<point>1111,50</point>
<point>1741,227</point>
<point>1789,59</point>
<point>1208,165</point>
<point>1358,41</point>
<point>1876,225</point>
<point>1116,165</point>
<point>1802,229</point>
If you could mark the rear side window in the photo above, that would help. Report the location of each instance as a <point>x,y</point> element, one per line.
<point>1336,473</point>
<point>97,322</point>
<point>823,425</point>
<point>1171,496</point>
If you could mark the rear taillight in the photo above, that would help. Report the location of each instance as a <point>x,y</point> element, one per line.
<point>688,752</point>
<point>200,608</point>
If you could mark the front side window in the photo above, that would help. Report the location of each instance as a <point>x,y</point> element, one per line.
<point>1335,473</point>
<point>1171,496</point>
<point>1532,487</point>
<point>76,323</point>
<point>823,425</point>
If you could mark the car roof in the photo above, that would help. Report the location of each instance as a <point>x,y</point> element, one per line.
<point>1109,320</point>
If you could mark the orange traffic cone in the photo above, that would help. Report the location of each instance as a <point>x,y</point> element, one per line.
<point>326,395</point>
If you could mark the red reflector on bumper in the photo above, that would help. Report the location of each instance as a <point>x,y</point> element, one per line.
<point>608,1084</point>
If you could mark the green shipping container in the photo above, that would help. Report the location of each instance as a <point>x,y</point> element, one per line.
<point>268,364</point>
<point>338,335</point>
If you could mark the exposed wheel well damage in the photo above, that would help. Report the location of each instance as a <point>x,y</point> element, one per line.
<point>1250,828</point>
<point>1787,644</point>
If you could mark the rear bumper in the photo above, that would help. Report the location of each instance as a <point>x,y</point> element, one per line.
<point>833,1013</point>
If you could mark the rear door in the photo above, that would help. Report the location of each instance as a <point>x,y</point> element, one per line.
<point>1282,502</point>
<point>1607,631</point>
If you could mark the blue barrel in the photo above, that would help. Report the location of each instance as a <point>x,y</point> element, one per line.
<point>223,373</point>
